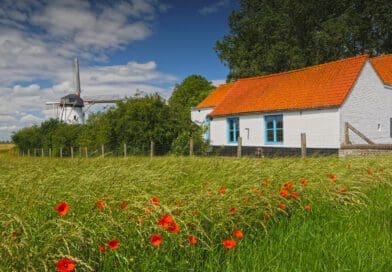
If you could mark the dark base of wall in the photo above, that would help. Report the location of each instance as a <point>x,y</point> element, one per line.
<point>255,151</point>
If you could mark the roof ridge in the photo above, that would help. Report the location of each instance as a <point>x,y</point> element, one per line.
<point>382,56</point>
<point>304,68</point>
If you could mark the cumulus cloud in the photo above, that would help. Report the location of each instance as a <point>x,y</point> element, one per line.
<point>213,8</point>
<point>40,38</point>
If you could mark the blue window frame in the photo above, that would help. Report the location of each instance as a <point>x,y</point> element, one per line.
<point>274,129</point>
<point>233,129</point>
<point>206,126</point>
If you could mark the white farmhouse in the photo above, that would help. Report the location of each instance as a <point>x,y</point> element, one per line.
<point>271,112</point>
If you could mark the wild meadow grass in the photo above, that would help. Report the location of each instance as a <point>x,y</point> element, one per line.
<point>341,220</point>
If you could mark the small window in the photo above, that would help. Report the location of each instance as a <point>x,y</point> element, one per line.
<point>274,129</point>
<point>233,129</point>
<point>379,127</point>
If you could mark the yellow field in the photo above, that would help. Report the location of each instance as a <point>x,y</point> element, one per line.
<point>5,147</point>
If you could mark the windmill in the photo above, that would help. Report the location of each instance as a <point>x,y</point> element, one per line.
<point>71,109</point>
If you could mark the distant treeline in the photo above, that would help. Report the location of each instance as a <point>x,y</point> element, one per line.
<point>135,122</point>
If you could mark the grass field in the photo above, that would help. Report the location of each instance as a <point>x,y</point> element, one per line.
<point>337,216</point>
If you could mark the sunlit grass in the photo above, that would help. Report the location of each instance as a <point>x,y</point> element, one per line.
<point>348,228</point>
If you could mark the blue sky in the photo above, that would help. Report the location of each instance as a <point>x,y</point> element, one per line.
<point>123,46</point>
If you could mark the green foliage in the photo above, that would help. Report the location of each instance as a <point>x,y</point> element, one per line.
<point>271,36</point>
<point>181,144</point>
<point>345,231</point>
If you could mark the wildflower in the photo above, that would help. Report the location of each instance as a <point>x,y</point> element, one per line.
<point>101,248</point>
<point>113,244</point>
<point>192,240</point>
<point>288,185</point>
<point>222,190</point>
<point>295,195</point>
<point>349,166</point>
<point>332,177</point>
<point>282,206</point>
<point>174,228</point>
<point>370,171</point>
<point>229,243</point>
<point>266,181</point>
<point>100,204</point>
<point>139,220</point>
<point>304,182</point>
<point>14,234</point>
<point>154,200</point>
<point>284,193</point>
<point>124,205</point>
<point>165,221</point>
<point>233,210</point>
<point>308,207</point>
<point>62,208</point>
<point>343,190</point>
<point>65,265</point>
<point>238,234</point>
<point>156,240</point>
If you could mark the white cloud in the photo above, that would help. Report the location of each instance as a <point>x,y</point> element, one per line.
<point>213,8</point>
<point>217,82</point>
<point>40,38</point>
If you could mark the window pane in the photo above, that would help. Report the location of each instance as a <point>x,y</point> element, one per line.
<point>270,124</point>
<point>279,123</point>
<point>279,135</point>
<point>270,135</point>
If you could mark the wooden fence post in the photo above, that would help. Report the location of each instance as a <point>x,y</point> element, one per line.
<point>191,146</point>
<point>85,149</point>
<point>28,152</point>
<point>72,153</point>
<point>42,152</point>
<point>303,145</point>
<point>61,152</point>
<point>346,134</point>
<point>152,147</point>
<point>239,147</point>
<point>50,152</point>
<point>125,149</point>
<point>103,150</point>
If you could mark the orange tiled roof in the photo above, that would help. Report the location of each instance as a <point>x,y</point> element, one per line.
<point>215,97</point>
<point>320,86</point>
<point>383,66</point>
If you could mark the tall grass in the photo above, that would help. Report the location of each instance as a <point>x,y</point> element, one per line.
<point>348,228</point>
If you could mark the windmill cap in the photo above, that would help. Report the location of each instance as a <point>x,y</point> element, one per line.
<point>72,100</point>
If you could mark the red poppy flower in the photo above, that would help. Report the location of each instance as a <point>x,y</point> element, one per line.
<point>65,265</point>
<point>165,221</point>
<point>233,210</point>
<point>295,195</point>
<point>113,244</point>
<point>308,207</point>
<point>192,240</point>
<point>222,190</point>
<point>14,234</point>
<point>343,190</point>
<point>156,240</point>
<point>284,193</point>
<point>304,182</point>
<point>288,185</point>
<point>174,228</point>
<point>282,206</point>
<point>100,204</point>
<point>62,208</point>
<point>154,200</point>
<point>332,177</point>
<point>229,243</point>
<point>266,181</point>
<point>124,205</point>
<point>102,248</point>
<point>370,171</point>
<point>238,234</point>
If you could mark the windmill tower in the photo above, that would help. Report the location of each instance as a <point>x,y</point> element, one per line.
<point>71,108</point>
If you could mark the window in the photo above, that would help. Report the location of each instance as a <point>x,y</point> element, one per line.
<point>233,129</point>
<point>274,129</point>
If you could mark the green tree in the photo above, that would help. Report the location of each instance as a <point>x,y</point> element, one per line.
<point>268,36</point>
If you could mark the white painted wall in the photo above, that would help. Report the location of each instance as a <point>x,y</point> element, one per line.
<point>72,115</point>
<point>321,128</point>
<point>368,105</point>
<point>199,115</point>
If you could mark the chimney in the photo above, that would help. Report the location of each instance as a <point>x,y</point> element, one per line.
<point>77,77</point>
